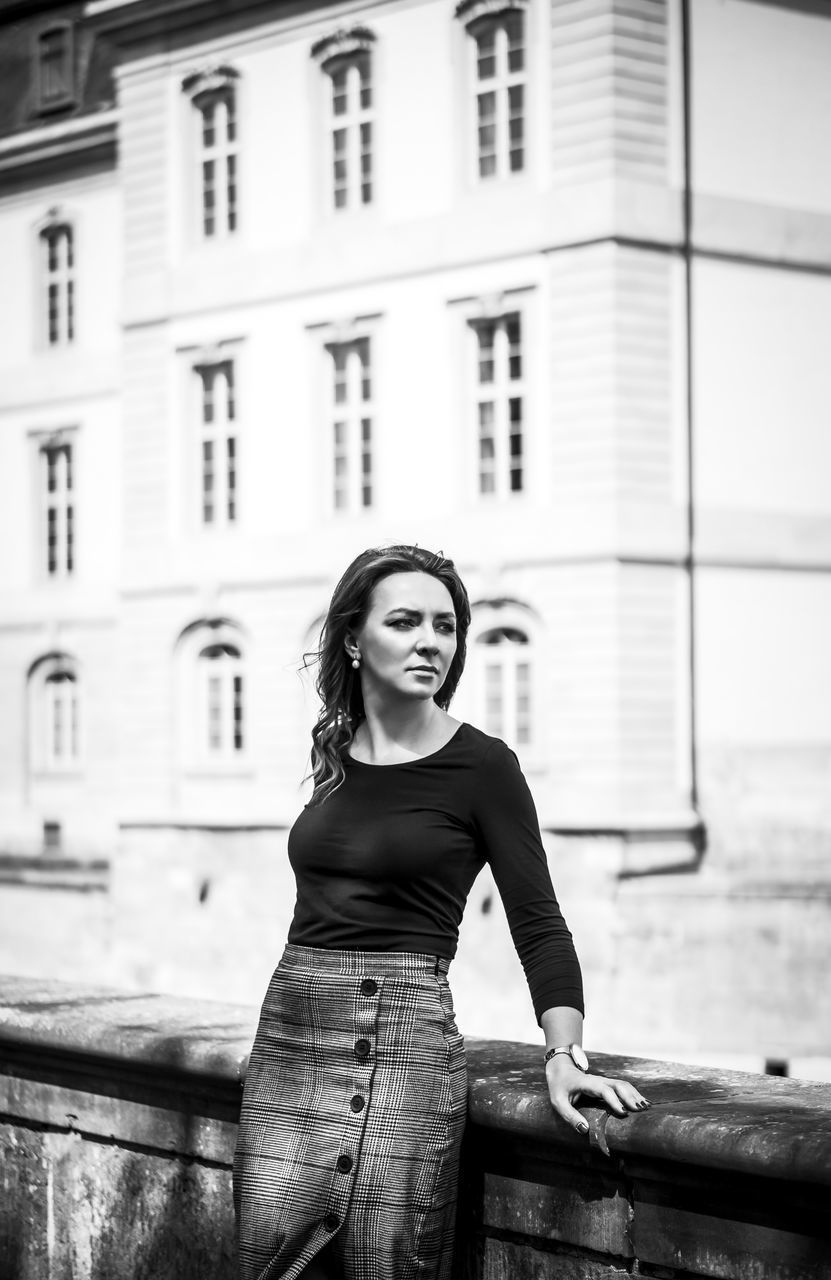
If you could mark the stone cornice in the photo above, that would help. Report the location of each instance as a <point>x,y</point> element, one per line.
<point>468,11</point>
<point>128,22</point>
<point>210,80</point>
<point>344,43</point>
<point>60,145</point>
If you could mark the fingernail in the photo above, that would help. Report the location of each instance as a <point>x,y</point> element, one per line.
<point>582,1128</point>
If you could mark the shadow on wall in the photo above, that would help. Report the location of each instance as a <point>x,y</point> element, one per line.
<point>159,1217</point>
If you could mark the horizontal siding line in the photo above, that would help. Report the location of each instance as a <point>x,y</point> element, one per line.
<point>604,90</point>
<point>610,48</point>
<point>639,26</point>
<point>652,143</point>
<point>654,16</point>
<point>148,127</point>
<point>568,12</point>
<point>141,199</point>
<point>632,266</point>
<point>641,333</point>
<point>605,148</point>
<point>610,41</point>
<point>602,109</point>
<point>587,147</point>
<point>606,70</point>
<point>574,127</point>
<point>632,359</point>
<point>135,146</point>
<point>612,64</point>
<point>143,112</point>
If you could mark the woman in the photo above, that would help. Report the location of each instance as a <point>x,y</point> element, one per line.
<point>355,1093</point>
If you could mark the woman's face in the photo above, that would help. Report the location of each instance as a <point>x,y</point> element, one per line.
<point>408,638</point>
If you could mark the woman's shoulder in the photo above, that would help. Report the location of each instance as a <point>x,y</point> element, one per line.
<point>483,748</point>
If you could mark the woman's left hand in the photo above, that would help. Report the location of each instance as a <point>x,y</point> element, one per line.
<point>566,1083</point>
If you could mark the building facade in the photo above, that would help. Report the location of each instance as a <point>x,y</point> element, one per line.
<point>544,285</point>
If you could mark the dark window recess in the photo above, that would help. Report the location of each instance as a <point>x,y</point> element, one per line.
<point>54,67</point>
<point>51,836</point>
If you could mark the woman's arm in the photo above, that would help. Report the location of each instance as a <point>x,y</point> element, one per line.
<point>566,1082</point>
<point>507,823</point>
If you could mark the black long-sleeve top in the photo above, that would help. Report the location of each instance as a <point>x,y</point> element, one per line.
<point>387,861</point>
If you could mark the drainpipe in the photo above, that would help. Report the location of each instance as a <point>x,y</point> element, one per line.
<point>687,250</point>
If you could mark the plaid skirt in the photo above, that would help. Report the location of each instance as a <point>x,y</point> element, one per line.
<point>352,1118</point>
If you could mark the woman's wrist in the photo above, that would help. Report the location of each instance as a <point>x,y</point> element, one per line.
<point>571,1053</point>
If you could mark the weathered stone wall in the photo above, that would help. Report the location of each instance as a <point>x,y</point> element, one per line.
<point>118,1117</point>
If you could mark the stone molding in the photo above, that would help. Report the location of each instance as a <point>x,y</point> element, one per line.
<point>470,11</point>
<point>61,146</point>
<point>345,43</point>
<point>210,80</point>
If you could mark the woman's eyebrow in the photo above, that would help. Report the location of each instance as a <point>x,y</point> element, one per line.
<point>416,613</point>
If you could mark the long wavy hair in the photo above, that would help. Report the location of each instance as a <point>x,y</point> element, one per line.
<point>337,683</point>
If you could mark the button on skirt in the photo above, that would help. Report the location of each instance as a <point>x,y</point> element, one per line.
<point>352,1118</point>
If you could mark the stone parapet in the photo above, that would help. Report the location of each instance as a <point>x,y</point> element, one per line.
<point>119,1117</point>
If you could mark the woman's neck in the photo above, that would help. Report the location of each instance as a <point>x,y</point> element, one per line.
<point>396,734</point>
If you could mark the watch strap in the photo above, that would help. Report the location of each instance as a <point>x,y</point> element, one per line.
<point>564,1048</point>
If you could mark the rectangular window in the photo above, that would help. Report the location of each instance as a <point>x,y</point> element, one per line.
<point>523,704</point>
<point>500,94</point>
<point>214,714</point>
<point>238,713</point>
<point>62,746</point>
<point>222,703</point>
<point>218,163</point>
<point>350,116</point>
<point>57,509</point>
<point>494,711</point>
<point>352,425</point>
<point>500,400</point>
<point>218,445</point>
<point>55,76</point>
<point>58,274</point>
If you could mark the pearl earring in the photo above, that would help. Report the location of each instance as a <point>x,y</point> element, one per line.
<point>356,661</point>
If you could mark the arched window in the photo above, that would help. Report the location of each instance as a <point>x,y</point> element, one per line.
<point>57,275</point>
<point>346,60</point>
<point>54,714</point>
<point>506,668</point>
<point>213,696</point>
<point>502,695</point>
<point>498,40</point>
<point>213,94</point>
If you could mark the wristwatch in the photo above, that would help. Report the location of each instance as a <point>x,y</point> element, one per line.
<point>574,1051</point>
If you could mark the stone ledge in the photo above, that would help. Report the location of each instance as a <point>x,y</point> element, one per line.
<point>125,1029</point>
<point>723,1120</point>
<point>726,1120</point>
<point>118,1117</point>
